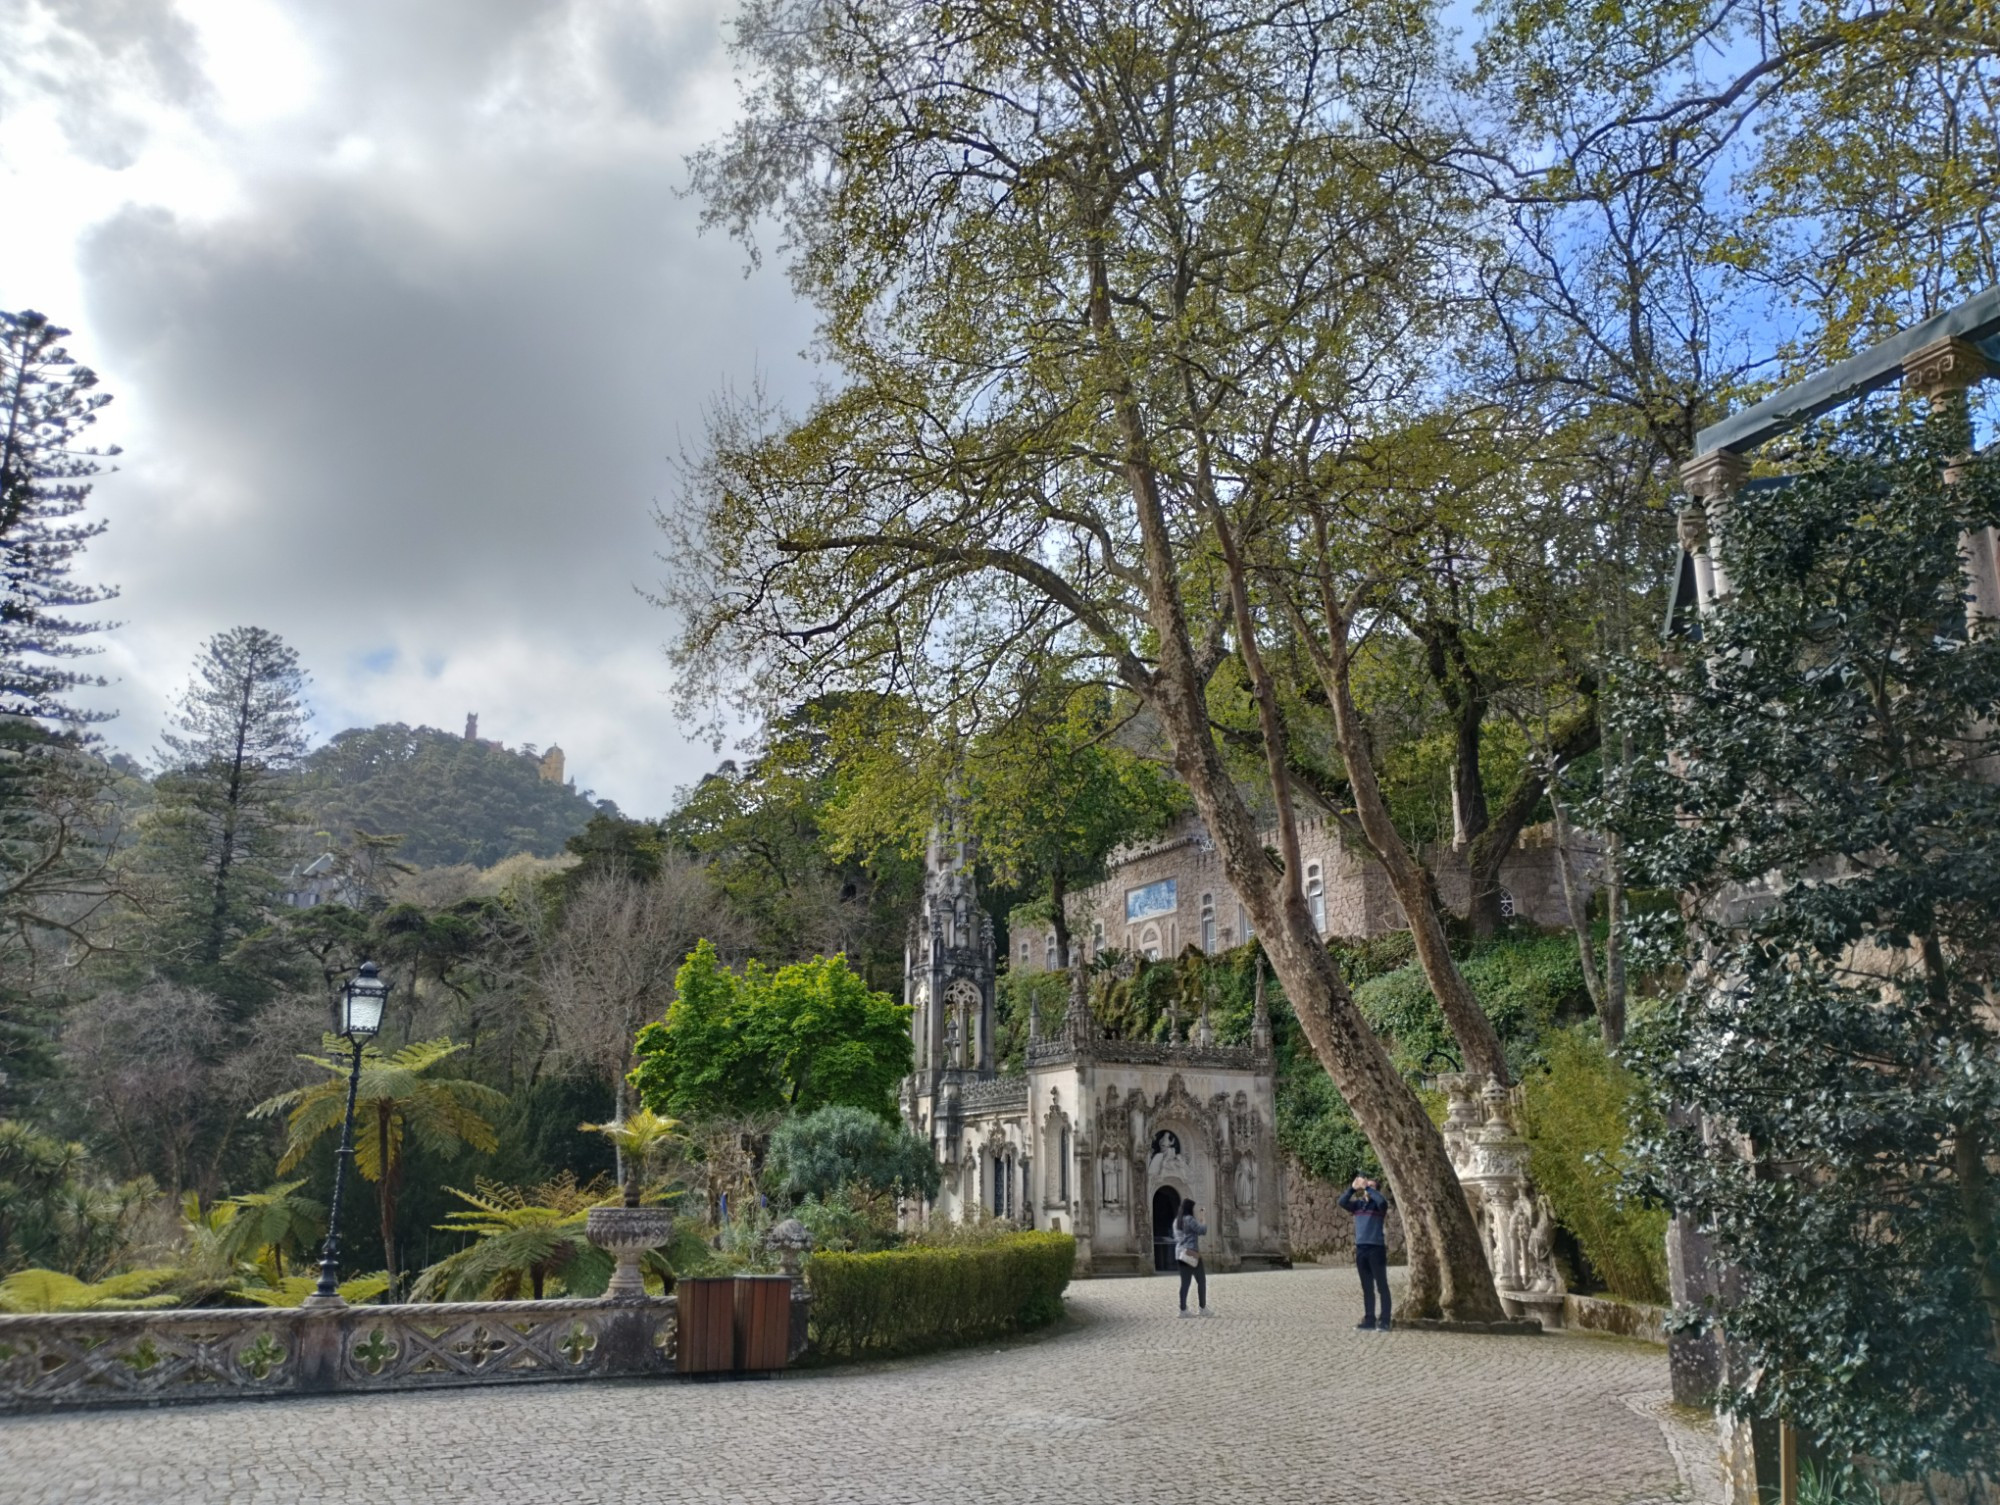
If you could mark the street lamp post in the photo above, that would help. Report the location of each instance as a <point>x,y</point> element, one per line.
<point>357,1017</point>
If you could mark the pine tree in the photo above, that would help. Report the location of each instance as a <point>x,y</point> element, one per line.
<point>224,815</point>
<point>46,402</point>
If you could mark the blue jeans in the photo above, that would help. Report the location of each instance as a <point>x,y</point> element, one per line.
<point>1199,1275</point>
<point>1372,1260</point>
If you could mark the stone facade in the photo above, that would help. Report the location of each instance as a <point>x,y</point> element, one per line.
<point>1167,895</point>
<point>1099,1138</point>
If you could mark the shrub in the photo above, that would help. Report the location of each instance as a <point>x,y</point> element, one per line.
<point>907,1300</point>
<point>835,1146</point>
<point>1580,1112</point>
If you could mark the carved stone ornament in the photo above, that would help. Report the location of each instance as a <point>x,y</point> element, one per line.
<point>1715,476</point>
<point>1945,368</point>
<point>791,1240</point>
<point>628,1232</point>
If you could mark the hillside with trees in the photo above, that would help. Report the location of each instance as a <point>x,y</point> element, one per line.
<point>451,799</point>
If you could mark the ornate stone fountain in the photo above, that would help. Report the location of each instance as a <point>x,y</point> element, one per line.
<point>627,1233</point>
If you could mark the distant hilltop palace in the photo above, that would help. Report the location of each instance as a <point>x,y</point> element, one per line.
<point>1099,1138</point>
<point>1164,896</point>
<point>550,763</point>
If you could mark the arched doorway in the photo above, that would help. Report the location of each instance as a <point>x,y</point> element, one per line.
<point>1166,1207</point>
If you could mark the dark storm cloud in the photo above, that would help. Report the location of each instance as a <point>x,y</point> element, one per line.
<point>411,400</point>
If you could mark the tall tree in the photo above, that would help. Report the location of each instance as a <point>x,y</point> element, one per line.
<point>47,401</point>
<point>610,966</point>
<point>224,794</point>
<point>1119,291</point>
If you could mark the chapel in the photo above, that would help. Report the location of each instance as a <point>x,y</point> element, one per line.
<point>1096,1137</point>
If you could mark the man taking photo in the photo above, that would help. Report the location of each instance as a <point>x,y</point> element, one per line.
<point>1371,1248</point>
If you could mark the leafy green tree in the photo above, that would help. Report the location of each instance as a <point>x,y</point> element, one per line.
<point>47,402</point>
<point>817,1154</point>
<point>1826,801</point>
<point>767,831</point>
<point>402,1096</point>
<point>1049,793</point>
<point>799,1038</point>
<point>222,830</point>
<point>1051,252</point>
<point>62,819</point>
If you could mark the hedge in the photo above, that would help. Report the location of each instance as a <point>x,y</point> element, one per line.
<point>905,1300</point>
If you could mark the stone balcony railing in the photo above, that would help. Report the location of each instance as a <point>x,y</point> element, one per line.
<point>80,1359</point>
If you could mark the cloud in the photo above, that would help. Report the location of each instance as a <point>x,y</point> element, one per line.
<point>409,398</point>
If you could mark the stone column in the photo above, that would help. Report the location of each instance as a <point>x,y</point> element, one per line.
<point>1711,481</point>
<point>1943,373</point>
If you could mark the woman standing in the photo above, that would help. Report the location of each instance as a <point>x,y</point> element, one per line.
<point>1187,1253</point>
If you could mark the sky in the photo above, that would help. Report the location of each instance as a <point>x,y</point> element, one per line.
<point>405,320</point>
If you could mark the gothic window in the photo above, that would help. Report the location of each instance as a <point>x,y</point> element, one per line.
<point>1208,922</point>
<point>1062,1171</point>
<point>999,1187</point>
<point>1316,896</point>
<point>1024,951</point>
<point>1506,904</point>
<point>1149,943</point>
<point>1049,954</point>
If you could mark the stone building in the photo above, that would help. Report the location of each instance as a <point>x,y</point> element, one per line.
<point>1166,895</point>
<point>1099,1138</point>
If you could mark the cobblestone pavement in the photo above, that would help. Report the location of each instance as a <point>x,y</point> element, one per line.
<point>1277,1399</point>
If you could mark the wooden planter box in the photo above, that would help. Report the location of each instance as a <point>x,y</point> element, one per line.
<point>734,1325</point>
<point>707,1343</point>
<point>763,1321</point>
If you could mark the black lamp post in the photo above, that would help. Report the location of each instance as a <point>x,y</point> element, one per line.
<point>357,1016</point>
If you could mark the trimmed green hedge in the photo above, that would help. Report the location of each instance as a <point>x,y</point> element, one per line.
<point>905,1300</point>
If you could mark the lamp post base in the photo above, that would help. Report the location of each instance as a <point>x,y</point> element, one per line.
<point>324,1303</point>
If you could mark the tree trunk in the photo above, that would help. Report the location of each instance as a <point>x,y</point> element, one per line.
<point>1449,1275</point>
<point>1478,1041</point>
<point>392,1173</point>
<point>218,916</point>
<point>1059,921</point>
<point>1493,842</point>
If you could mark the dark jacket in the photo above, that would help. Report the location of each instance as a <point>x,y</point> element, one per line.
<point>1369,1208</point>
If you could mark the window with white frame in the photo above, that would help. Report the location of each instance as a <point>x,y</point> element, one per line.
<point>1506,904</point>
<point>1316,896</point>
<point>1049,953</point>
<point>1208,922</point>
<point>1243,923</point>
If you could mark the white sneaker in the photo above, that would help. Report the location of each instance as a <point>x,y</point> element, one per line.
<point>1186,1313</point>
<point>1206,1312</point>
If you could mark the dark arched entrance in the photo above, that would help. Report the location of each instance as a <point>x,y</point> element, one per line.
<point>1166,1207</point>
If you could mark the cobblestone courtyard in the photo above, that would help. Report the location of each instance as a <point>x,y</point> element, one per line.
<point>1276,1399</point>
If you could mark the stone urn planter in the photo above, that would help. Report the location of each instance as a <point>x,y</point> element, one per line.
<point>627,1233</point>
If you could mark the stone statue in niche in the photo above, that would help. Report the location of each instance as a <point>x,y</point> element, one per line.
<point>1246,1183</point>
<point>1167,1160</point>
<point>1111,1174</point>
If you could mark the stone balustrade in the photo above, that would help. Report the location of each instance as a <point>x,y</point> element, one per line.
<point>81,1359</point>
